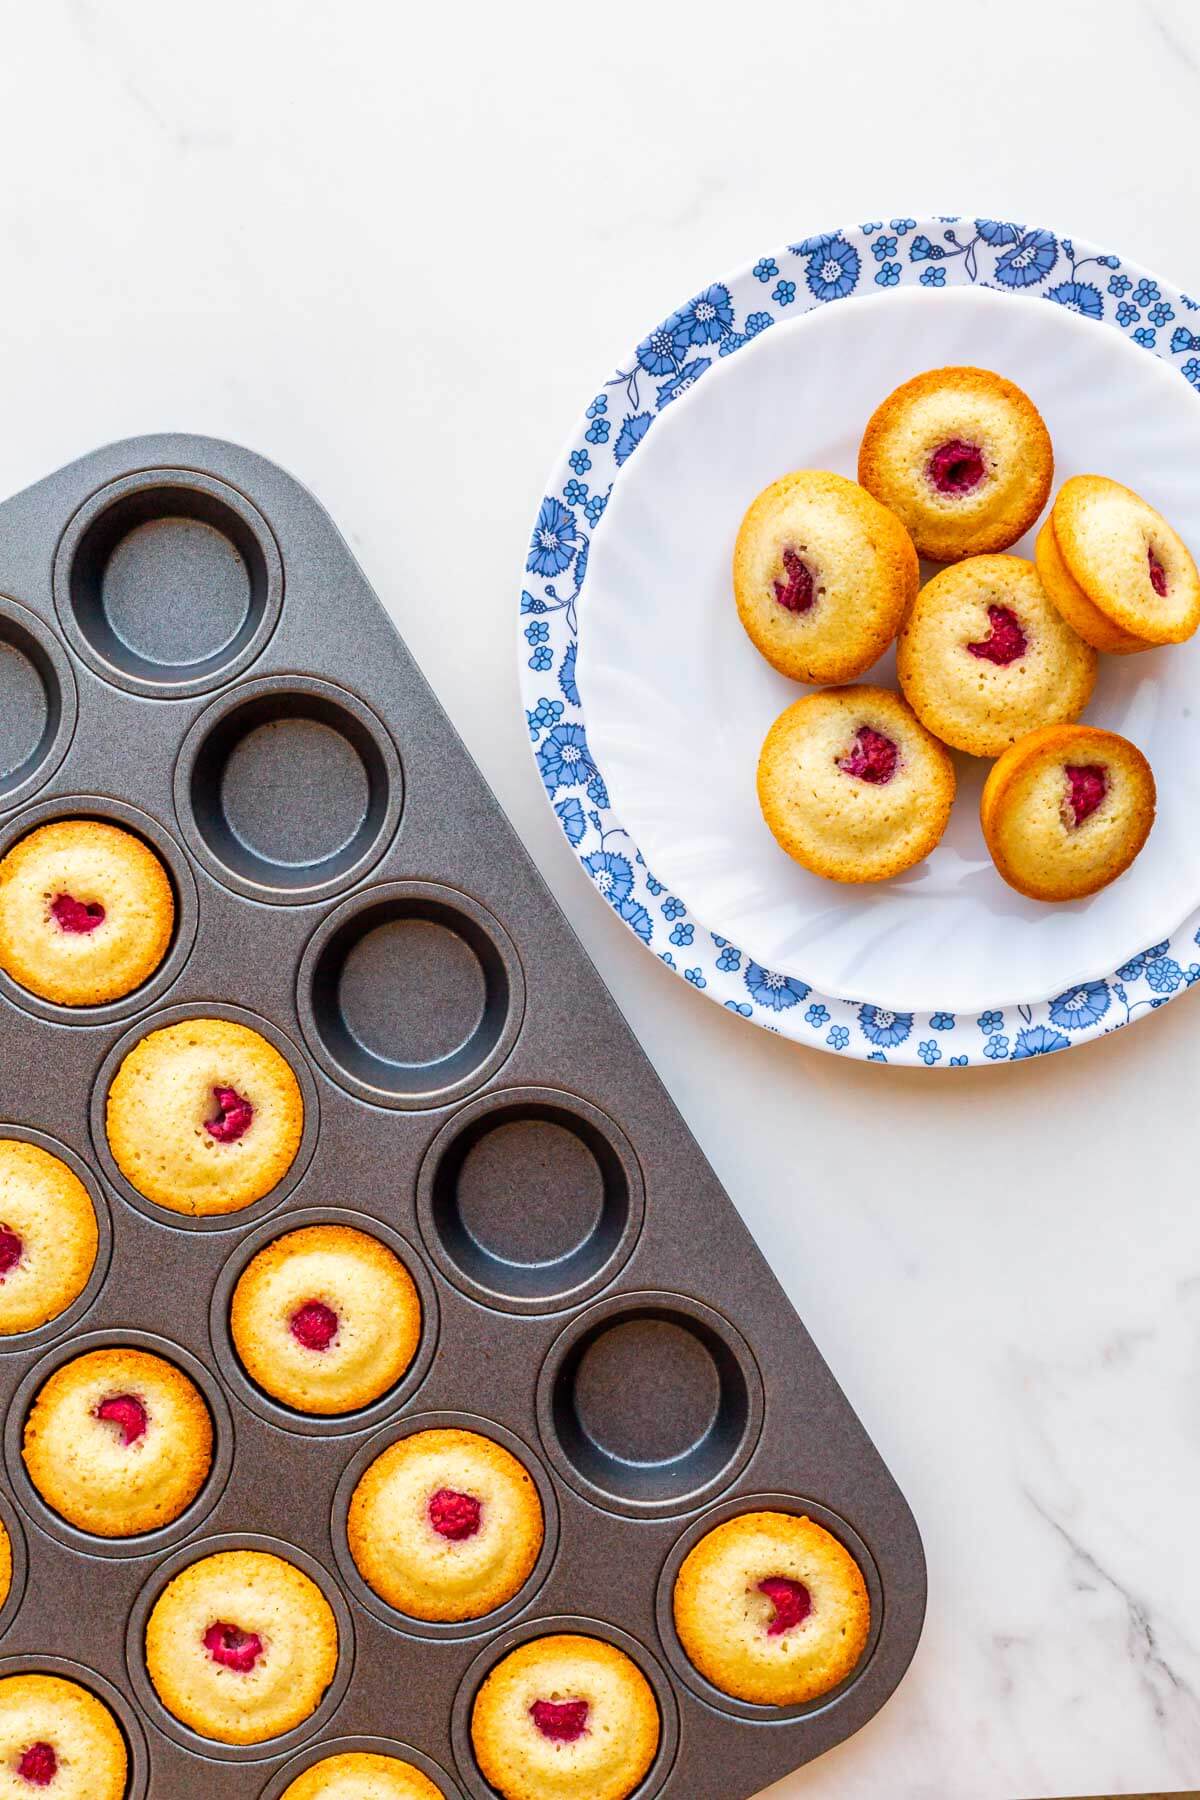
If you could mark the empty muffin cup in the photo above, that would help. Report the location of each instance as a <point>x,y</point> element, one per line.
<point>288,789</point>
<point>37,704</point>
<point>410,995</point>
<point>168,582</point>
<point>647,1403</point>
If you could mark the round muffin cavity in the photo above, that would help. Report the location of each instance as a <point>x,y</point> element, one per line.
<point>1132,568</point>
<point>1066,810</point>
<point>57,1738</point>
<point>853,786</point>
<point>326,1319</point>
<point>204,1116</point>
<point>118,1442</point>
<point>822,575</point>
<point>48,1236</point>
<point>772,1609</point>
<point>985,656</point>
<point>362,1775</point>
<point>86,912</point>
<point>446,1525</point>
<point>241,1646</point>
<point>964,459</point>
<point>565,1718</point>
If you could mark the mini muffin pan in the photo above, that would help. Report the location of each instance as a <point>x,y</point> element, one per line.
<point>188,649</point>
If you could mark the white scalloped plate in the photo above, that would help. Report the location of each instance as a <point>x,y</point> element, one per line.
<point>664,662</point>
<point>663,702</point>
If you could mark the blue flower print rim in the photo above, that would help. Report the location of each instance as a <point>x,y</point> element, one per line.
<point>726,318</point>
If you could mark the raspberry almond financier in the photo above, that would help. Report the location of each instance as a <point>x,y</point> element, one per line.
<point>1118,573</point>
<point>446,1525</point>
<point>853,786</point>
<point>204,1116</point>
<point>86,912</point>
<point>241,1646</point>
<point>1066,810</point>
<point>56,1738</point>
<point>362,1775</point>
<point>48,1236</point>
<point>772,1609</point>
<point>565,1718</point>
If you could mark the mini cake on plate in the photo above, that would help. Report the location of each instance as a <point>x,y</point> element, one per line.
<point>1115,569</point>
<point>822,575</point>
<point>963,457</point>
<point>445,1525</point>
<point>204,1116</point>
<point>362,1775</point>
<point>1066,811</point>
<point>241,1646</point>
<point>772,1609</point>
<point>853,786</point>
<point>86,912</point>
<point>48,1236</point>
<point>565,1718</point>
<point>57,1738</point>
<point>985,657</point>
<point>326,1319</point>
<point>118,1442</point>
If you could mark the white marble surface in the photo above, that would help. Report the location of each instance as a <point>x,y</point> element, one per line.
<point>394,247</point>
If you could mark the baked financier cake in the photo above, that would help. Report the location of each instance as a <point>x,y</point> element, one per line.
<point>822,575</point>
<point>86,912</point>
<point>1118,573</point>
<point>853,786</point>
<point>241,1646</point>
<point>985,656</point>
<point>118,1442</point>
<point>204,1116</point>
<point>362,1775</point>
<point>565,1718</point>
<point>772,1609</point>
<point>1066,810</point>
<point>963,457</point>
<point>6,1563</point>
<point>56,1738</point>
<point>48,1236</point>
<point>445,1524</point>
<point>326,1319</point>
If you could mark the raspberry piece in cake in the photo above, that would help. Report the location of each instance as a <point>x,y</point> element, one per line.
<point>453,1515</point>
<point>38,1765</point>
<point>1005,642</point>
<point>562,1721</point>
<point>314,1325</point>
<point>11,1250</point>
<point>1087,785</point>
<point>127,1413</point>
<point>873,757</point>
<point>233,1648</point>
<point>956,467</point>
<point>796,593</point>
<point>233,1116</point>
<point>791,1600</point>
<point>76,915</point>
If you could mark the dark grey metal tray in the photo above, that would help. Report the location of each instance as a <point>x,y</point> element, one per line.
<point>188,648</point>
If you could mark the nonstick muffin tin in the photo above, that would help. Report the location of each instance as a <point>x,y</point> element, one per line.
<point>188,649</point>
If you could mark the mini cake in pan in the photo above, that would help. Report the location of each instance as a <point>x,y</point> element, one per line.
<point>985,656</point>
<point>6,1563</point>
<point>48,1236</point>
<point>86,912</point>
<point>362,1775</point>
<point>57,1738</point>
<point>822,574</point>
<point>853,786</point>
<point>241,1646</point>
<point>445,1525</point>
<point>204,1116</point>
<point>565,1718</point>
<point>326,1319</point>
<point>118,1442</point>
<point>772,1609</point>
<point>1066,811</point>
<point>963,457</point>
<point>1115,569</point>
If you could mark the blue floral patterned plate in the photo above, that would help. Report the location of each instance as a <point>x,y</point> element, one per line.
<point>733,317</point>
